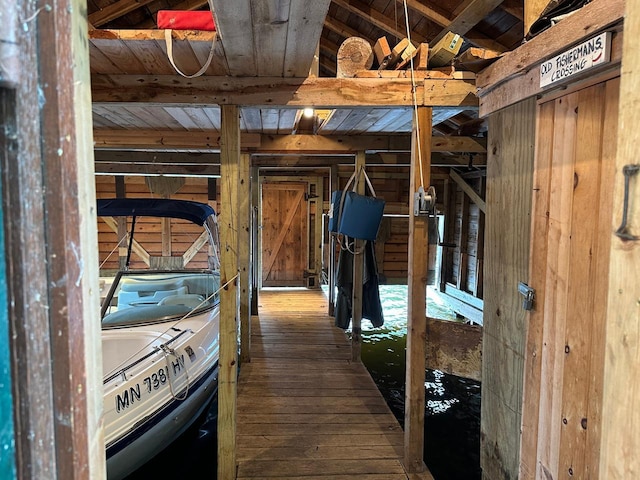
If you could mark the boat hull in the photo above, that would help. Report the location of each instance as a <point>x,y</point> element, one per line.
<point>156,433</point>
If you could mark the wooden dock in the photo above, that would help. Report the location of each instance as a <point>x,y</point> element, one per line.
<point>305,411</point>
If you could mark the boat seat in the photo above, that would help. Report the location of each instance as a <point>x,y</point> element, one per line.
<point>138,298</point>
<point>190,300</point>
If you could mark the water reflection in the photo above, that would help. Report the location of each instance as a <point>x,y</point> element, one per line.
<point>452,409</point>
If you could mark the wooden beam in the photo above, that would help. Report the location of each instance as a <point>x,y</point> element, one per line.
<point>342,29</point>
<point>471,193</point>
<point>119,168</point>
<point>274,144</point>
<point>135,246</point>
<point>167,140</point>
<point>528,84</point>
<point>620,426</point>
<point>115,10</point>
<point>532,11</point>
<point>324,92</point>
<point>417,283</point>
<point>455,348</point>
<point>228,224</point>
<point>589,20</point>
<point>468,18</point>
<point>321,144</point>
<point>427,12</point>
<point>377,18</point>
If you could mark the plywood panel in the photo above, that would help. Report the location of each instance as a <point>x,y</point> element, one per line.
<point>509,181</point>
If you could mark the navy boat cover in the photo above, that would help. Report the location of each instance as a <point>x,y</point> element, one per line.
<point>195,212</point>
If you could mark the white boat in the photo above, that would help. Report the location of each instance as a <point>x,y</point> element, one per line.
<point>160,332</point>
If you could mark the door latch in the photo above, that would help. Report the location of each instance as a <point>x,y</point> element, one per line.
<point>529,295</point>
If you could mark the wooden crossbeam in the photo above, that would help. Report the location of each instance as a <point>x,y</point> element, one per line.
<point>276,91</point>
<point>471,193</point>
<point>276,144</point>
<point>136,247</point>
<point>342,29</point>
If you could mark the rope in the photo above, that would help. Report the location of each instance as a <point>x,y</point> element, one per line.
<point>111,252</point>
<point>168,330</point>
<point>414,95</point>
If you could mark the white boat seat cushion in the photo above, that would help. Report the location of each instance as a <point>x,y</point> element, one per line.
<point>137,298</point>
<point>190,300</point>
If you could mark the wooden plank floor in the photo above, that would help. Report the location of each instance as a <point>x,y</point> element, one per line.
<point>305,411</point>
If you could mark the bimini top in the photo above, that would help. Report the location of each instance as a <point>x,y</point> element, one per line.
<point>195,212</point>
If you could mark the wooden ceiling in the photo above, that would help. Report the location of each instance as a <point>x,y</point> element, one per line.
<point>281,38</point>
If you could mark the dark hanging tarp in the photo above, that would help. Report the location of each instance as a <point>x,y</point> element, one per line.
<point>195,212</point>
<point>371,306</point>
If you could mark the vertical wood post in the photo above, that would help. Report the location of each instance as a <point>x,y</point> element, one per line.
<point>228,224</point>
<point>620,444</point>
<point>255,254</point>
<point>417,280</point>
<point>51,250</point>
<point>358,267</point>
<point>244,243</point>
<point>333,185</point>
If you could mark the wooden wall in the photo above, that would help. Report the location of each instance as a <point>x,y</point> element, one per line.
<point>619,458</point>
<point>178,237</point>
<point>509,183</point>
<point>564,360</point>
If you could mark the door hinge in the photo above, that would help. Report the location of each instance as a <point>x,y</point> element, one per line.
<point>529,295</point>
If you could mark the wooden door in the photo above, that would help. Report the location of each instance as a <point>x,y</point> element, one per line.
<point>571,236</point>
<point>285,236</point>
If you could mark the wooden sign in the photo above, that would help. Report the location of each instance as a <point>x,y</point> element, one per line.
<point>593,52</point>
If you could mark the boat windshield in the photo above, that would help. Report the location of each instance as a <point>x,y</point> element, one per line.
<point>164,264</point>
<point>138,297</point>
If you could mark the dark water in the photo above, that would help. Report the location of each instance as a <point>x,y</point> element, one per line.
<point>452,410</point>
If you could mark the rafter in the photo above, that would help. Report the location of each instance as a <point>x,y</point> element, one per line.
<point>468,18</point>
<point>376,18</point>
<point>427,12</point>
<point>115,10</point>
<point>345,31</point>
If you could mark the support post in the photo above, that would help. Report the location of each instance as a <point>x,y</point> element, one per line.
<point>244,243</point>
<point>52,276</point>
<point>255,254</point>
<point>358,267</point>
<point>620,426</point>
<point>333,185</point>
<point>228,223</point>
<point>417,280</point>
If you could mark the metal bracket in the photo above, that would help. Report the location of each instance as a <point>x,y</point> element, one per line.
<point>529,295</point>
<point>424,203</point>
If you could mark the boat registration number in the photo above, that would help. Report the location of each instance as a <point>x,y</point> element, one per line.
<point>133,394</point>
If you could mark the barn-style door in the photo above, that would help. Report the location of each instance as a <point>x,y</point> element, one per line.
<point>571,234</point>
<point>285,234</point>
